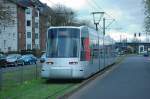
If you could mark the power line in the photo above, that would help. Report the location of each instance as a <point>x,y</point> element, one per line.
<point>91,4</point>
<point>109,15</point>
<point>95,3</point>
<point>98,6</point>
<point>52,2</point>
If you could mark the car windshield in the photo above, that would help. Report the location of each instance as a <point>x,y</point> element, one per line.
<point>13,56</point>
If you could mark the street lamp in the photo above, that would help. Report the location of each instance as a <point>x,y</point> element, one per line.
<point>97,18</point>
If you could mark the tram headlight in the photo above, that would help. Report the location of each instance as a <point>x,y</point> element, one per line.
<point>50,63</point>
<point>73,63</point>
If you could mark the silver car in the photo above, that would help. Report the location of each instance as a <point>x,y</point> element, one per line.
<point>14,60</point>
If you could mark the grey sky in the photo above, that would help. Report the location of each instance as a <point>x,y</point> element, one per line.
<point>129,14</point>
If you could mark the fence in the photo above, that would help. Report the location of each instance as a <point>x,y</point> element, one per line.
<point>13,76</point>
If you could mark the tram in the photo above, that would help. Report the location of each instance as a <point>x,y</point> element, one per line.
<point>76,52</point>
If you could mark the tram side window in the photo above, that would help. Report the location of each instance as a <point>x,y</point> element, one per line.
<point>94,50</point>
<point>85,50</point>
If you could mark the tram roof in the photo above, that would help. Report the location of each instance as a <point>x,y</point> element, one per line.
<point>67,27</point>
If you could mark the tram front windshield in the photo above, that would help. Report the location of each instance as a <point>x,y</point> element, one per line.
<point>63,43</point>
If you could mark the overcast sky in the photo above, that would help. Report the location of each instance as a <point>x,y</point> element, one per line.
<point>129,14</point>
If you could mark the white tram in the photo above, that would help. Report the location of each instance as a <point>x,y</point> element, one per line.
<point>76,52</point>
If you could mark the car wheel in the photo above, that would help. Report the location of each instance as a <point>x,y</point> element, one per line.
<point>23,63</point>
<point>5,65</point>
<point>15,64</point>
<point>30,63</point>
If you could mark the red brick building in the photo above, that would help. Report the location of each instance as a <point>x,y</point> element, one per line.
<point>31,23</point>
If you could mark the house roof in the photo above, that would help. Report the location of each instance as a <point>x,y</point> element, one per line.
<point>43,8</point>
<point>23,3</point>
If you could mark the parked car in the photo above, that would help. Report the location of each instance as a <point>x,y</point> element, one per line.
<point>121,53</point>
<point>3,62</point>
<point>43,57</point>
<point>146,54</point>
<point>14,60</point>
<point>29,59</point>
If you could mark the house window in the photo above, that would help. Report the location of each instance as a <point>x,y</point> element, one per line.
<point>13,22</point>
<point>28,11</point>
<point>36,35</point>
<point>28,46</point>
<point>4,43</point>
<point>13,35</point>
<point>28,23</point>
<point>9,48</point>
<point>28,34</point>
<point>36,25</point>
<point>36,46</point>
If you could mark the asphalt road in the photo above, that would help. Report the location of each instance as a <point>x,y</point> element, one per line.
<point>130,80</point>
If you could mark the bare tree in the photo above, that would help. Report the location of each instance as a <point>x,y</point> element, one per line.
<point>62,16</point>
<point>147,15</point>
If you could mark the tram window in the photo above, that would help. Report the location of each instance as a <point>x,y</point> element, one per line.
<point>63,42</point>
<point>95,53</point>
<point>85,50</point>
<point>94,50</point>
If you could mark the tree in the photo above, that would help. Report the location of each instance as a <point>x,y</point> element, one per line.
<point>5,14</point>
<point>62,16</point>
<point>147,16</point>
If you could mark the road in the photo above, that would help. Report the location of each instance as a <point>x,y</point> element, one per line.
<point>130,80</point>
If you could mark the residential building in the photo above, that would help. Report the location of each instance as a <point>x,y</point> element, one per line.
<point>9,33</point>
<point>28,28</point>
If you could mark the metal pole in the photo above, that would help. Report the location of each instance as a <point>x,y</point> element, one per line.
<point>36,71</point>
<point>98,45</point>
<point>96,26</point>
<point>0,78</point>
<point>104,38</point>
<point>22,74</point>
<point>104,26</point>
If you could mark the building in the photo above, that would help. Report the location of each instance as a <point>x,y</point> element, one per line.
<point>9,33</point>
<point>28,28</point>
<point>45,22</point>
<point>32,28</point>
<point>38,17</point>
<point>138,47</point>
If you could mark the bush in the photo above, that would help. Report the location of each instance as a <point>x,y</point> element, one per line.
<point>12,52</point>
<point>35,52</point>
